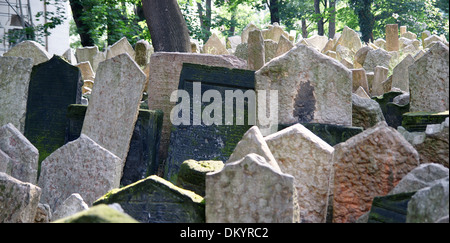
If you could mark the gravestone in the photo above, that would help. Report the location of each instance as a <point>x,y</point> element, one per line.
<point>250,191</point>
<point>366,112</point>
<point>54,85</point>
<point>270,50</point>
<point>90,54</point>
<point>114,104</point>
<point>380,76</point>
<point>429,80</point>
<point>308,158</point>
<point>165,77</point>
<point>400,74</point>
<point>142,159</point>
<point>99,214</point>
<point>87,73</point>
<point>360,80</point>
<point>256,50</point>
<point>215,46</point>
<point>390,209</point>
<point>14,81</point>
<point>318,41</point>
<point>29,49</point>
<point>367,165</point>
<point>435,147</point>
<point>418,121</point>
<point>19,200</point>
<point>143,51</point>
<point>374,58</point>
<point>72,205</point>
<point>23,157</point>
<point>250,27</point>
<point>121,46</point>
<point>312,88</point>
<point>155,200</point>
<point>202,141</point>
<point>81,166</point>
<point>284,45</point>
<point>350,39</point>
<point>392,43</point>
<point>274,33</point>
<point>192,175</point>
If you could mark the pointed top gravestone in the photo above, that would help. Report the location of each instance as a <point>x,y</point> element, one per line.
<point>215,46</point>
<point>29,49</point>
<point>114,105</point>
<point>14,81</point>
<point>120,47</point>
<point>54,85</point>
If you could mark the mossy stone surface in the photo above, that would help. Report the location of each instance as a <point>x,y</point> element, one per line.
<point>98,214</point>
<point>418,121</point>
<point>390,209</point>
<point>155,200</point>
<point>192,174</point>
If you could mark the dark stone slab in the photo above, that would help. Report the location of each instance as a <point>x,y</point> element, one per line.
<point>142,159</point>
<point>394,114</point>
<point>389,109</point>
<point>418,121</point>
<point>208,142</point>
<point>390,209</point>
<point>192,174</point>
<point>155,200</point>
<point>54,85</point>
<point>330,133</point>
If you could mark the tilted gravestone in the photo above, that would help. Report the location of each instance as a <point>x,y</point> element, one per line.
<point>29,49</point>
<point>142,159</point>
<point>53,86</point>
<point>114,104</point>
<point>390,209</point>
<point>201,141</point>
<point>14,81</point>
<point>155,200</point>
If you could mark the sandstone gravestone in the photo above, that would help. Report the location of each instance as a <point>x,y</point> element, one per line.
<point>367,165</point>
<point>366,112</point>
<point>87,73</point>
<point>29,49</point>
<point>312,88</point>
<point>256,50</point>
<point>400,74</point>
<point>19,200</point>
<point>215,46</point>
<point>270,50</point>
<point>91,54</point>
<point>250,191</point>
<point>308,158</point>
<point>350,39</point>
<point>379,80</point>
<point>392,43</point>
<point>114,105</point>
<point>378,57</point>
<point>284,45</point>
<point>198,139</point>
<point>165,77</point>
<point>99,214</point>
<point>274,33</point>
<point>250,27</point>
<point>143,51</point>
<point>360,80</point>
<point>120,47</point>
<point>429,80</point>
<point>23,156</point>
<point>54,85</point>
<point>14,80</point>
<point>155,200</point>
<point>91,171</point>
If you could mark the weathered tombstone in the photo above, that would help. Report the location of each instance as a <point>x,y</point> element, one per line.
<point>155,200</point>
<point>23,156</point>
<point>380,75</point>
<point>70,57</point>
<point>274,33</point>
<point>309,90</point>
<point>418,121</point>
<point>360,80</point>
<point>215,46</point>
<point>250,27</point>
<point>14,81</point>
<point>350,39</point>
<point>284,45</point>
<point>198,139</point>
<point>90,54</point>
<point>361,93</point>
<point>143,51</point>
<point>318,41</point>
<point>192,175</point>
<point>29,49</point>
<point>361,54</point>
<point>366,112</point>
<point>400,74</point>
<point>428,42</point>
<point>91,171</point>
<point>343,53</point>
<point>367,165</point>
<point>409,35</point>
<point>114,104</point>
<point>19,200</point>
<point>233,42</point>
<point>242,51</point>
<point>99,214</point>
<point>87,73</point>
<point>392,113</point>
<point>403,29</point>
<point>435,147</point>
<point>54,85</point>
<point>429,80</point>
<point>250,191</point>
<point>270,50</point>
<point>392,43</point>
<point>378,57</point>
<point>256,50</point>
<point>309,159</point>
<point>120,47</point>
<point>72,205</point>
<point>390,209</point>
<point>381,43</point>
<point>165,77</point>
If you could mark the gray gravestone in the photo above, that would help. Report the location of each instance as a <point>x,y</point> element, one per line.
<point>208,142</point>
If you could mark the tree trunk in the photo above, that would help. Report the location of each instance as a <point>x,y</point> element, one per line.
<point>366,21</point>
<point>167,26</point>
<point>82,27</point>
<point>332,20</point>
<point>274,11</point>
<point>304,29</point>
<point>320,29</point>
<point>205,20</point>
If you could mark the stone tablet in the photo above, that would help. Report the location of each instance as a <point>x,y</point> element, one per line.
<point>374,58</point>
<point>308,158</point>
<point>368,165</point>
<point>350,39</point>
<point>120,47</point>
<point>114,105</point>
<point>429,80</point>
<point>19,200</point>
<point>54,85</point>
<point>192,175</point>
<point>418,121</point>
<point>250,191</point>
<point>99,214</point>
<point>155,200</point>
<point>14,81</point>
<point>81,166</point>
<point>390,209</point>
<point>23,156</point>
<point>312,88</point>
<point>256,50</point>
<point>392,43</point>
<point>202,141</point>
<point>165,77</point>
<point>29,49</point>
<point>400,74</point>
<point>91,54</point>
<point>215,46</point>
<point>366,112</point>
